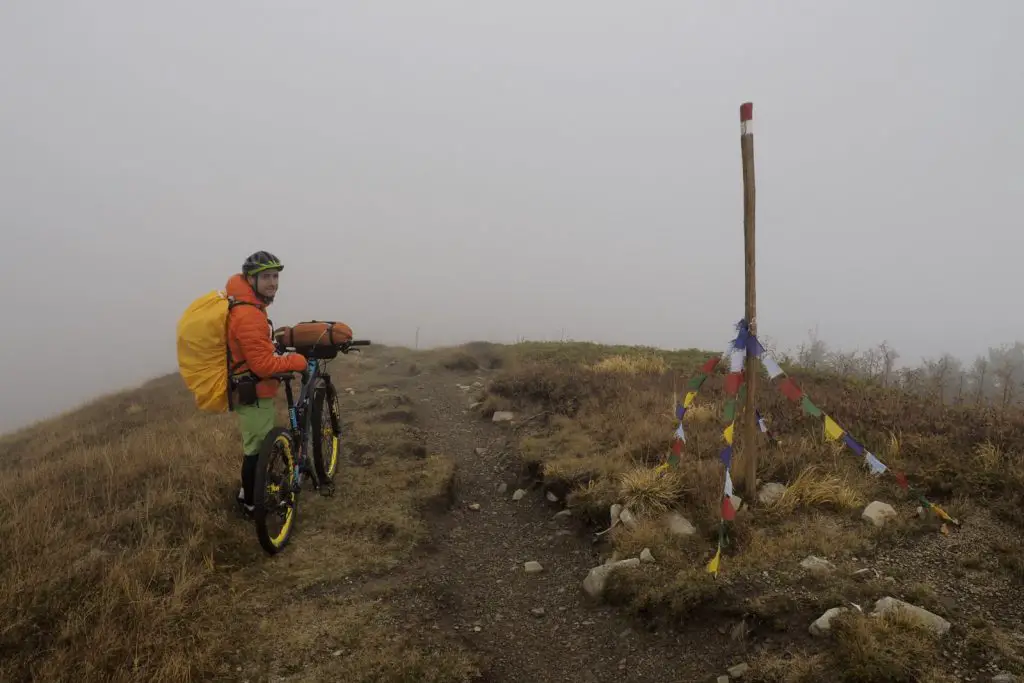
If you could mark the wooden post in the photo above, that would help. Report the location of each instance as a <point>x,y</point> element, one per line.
<point>750,419</point>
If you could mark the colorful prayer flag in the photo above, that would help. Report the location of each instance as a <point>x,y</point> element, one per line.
<point>874,464</point>
<point>730,410</point>
<point>732,383</point>
<point>677,446</point>
<point>726,456</point>
<point>688,401</point>
<point>771,366</point>
<point>754,344</point>
<point>833,431</point>
<point>736,360</point>
<point>728,433</point>
<point>710,365</point>
<point>810,408</point>
<point>728,511</point>
<point>713,564</point>
<point>853,444</point>
<point>901,479</point>
<point>680,411</point>
<point>680,434</point>
<point>790,390</point>
<point>695,382</point>
<point>728,484</point>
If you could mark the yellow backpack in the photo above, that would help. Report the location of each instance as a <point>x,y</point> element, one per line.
<point>202,339</point>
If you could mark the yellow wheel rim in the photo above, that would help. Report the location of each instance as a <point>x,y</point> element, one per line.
<point>285,445</point>
<point>329,437</point>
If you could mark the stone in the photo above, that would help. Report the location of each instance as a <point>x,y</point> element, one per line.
<point>1004,678</point>
<point>679,525</point>
<point>646,556</point>
<point>738,670</point>
<point>737,502</point>
<point>537,611</point>
<point>770,493</point>
<point>502,487</point>
<point>723,679</point>
<point>817,565</point>
<point>533,567</point>
<point>503,416</point>
<point>878,513</point>
<point>518,495</point>
<point>596,579</point>
<point>481,451</point>
<point>627,518</point>
<point>823,624</point>
<point>616,510</point>
<point>475,507</point>
<point>551,497</point>
<point>888,605</point>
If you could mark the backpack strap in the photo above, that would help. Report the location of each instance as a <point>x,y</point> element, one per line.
<point>232,302</point>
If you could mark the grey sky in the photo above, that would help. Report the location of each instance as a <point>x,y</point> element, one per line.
<point>494,170</point>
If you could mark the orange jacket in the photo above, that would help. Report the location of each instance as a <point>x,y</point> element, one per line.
<point>250,339</point>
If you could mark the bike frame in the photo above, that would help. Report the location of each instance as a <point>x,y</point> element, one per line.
<point>299,412</point>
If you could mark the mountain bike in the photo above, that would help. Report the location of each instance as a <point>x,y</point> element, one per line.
<point>307,449</point>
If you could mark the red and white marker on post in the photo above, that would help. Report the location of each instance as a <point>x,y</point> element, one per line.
<point>749,417</point>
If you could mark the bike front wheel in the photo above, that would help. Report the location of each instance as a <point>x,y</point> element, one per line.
<point>275,491</point>
<point>326,428</point>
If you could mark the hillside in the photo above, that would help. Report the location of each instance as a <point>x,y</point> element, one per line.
<point>124,558</point>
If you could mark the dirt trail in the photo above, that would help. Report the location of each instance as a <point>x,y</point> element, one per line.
<point>487,599</point>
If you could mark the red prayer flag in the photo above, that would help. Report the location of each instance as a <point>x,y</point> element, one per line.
<point>901,479</point>
<point>728,511</point>
<point>677,446</point>
<point>710,365</point>
<point>733,382</point>
<point>791,391</point>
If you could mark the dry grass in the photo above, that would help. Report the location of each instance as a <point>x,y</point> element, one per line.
<point>643,364</point>
<point>647,492</point>
<point>124,559</point>
<point>814,487</point>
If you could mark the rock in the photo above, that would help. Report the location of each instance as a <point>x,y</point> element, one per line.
<point>679,525</point>
<point>878,513</point>
<point>1004,678</point>
<point>864,574</point>
<point>481,451</point>
<point>502,487</point>
<point>738,670</point>
<point>503,416</point>
<point>770,493</point>
<point>533,567</point>
<point>562,516</point>
<point>537,611</point>
<point>518,495</point>
<point>817,565</point>
<point>551,497</point>
<point>474,405</point>
<point>596,579</point>
<point>616,510</point>
<point>737,502</point>
<point>475,507</point>
<point>627,518</point>
<point>823,624</point>
<point>920,512</point>
<point>646,556</point>
<point>723,679</point>
<point>887,605</point>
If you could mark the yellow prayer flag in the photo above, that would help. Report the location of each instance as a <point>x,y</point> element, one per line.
<point>661,468</point>
<point>713,564</point>
<point>728,434</point>
<point>832,430</point>
<point>688,401</point>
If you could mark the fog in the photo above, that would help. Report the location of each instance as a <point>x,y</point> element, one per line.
<point>503,170</point>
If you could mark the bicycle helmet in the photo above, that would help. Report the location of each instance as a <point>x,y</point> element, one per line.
<point>260,262</point>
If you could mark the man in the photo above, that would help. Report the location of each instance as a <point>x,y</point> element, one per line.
<point>254,359</point>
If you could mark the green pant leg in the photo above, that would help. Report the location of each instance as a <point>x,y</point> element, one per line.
<point>255,422</point>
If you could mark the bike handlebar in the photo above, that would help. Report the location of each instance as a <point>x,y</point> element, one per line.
<point>345,347</point>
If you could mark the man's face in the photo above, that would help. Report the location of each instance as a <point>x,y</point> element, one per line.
<point>266,283</point>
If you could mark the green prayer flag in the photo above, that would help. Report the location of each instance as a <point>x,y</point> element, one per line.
<point>810,408</point>
<point>730,410</point>
<point>696,382</point>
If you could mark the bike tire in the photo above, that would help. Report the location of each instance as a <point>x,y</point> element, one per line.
<point>279,439</point>
<point>326,432</point>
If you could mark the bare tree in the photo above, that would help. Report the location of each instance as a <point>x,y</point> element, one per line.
<point>814,354</point>
<point>978,377</point>
<point>889,357</point>
<point>1007,362</point>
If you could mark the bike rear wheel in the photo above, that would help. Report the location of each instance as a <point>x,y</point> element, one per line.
<point>275,491</point>
<point>326,429</point>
